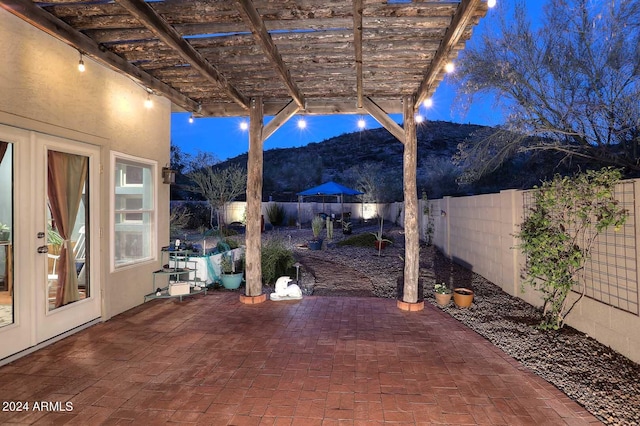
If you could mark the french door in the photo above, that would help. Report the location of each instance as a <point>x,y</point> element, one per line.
<point>69,293</point>
<point>56,286</point>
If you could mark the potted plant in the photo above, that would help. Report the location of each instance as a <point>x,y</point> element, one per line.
<point>232,271</point>
<point>442,294</point>
<point>346,228</point>
<point>316,227</point>
<point>380,241</point>
<point>5,232</point>
<point>462,297</point>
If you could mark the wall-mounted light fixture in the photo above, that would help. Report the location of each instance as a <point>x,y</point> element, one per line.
<point>168,175</point>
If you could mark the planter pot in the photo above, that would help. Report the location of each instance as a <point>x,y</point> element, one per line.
<point>4,235</point>
<point>315,244</point>
<point>231,281</point>
<point>462,297</point>
<point>443,299</point>
<point>380,244</point>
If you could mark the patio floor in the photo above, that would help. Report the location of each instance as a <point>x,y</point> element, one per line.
<point>319,361</point>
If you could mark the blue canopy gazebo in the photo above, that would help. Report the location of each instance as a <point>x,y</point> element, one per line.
<point>327,189</point>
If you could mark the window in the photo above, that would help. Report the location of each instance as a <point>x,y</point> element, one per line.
<point>134,210</point>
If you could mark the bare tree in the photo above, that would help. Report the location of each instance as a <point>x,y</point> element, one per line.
<point>572,84</point>
<point>218,186</point>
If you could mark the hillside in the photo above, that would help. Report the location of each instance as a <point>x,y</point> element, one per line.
<point>370,157</point>
<point>371,161</point>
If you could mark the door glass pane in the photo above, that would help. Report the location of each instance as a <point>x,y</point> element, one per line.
<point>64,196</point>
<point>6,234</point>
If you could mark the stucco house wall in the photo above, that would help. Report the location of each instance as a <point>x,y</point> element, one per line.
<point>43,92</point>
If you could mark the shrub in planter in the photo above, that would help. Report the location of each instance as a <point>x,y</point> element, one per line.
<point>276,260</point>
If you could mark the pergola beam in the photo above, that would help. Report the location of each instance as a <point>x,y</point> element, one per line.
<point>259,30</point>
<point>280,118</point>
<point>44,21</point>
<point>462,18</point>
<point>168,35</point>
<point>376,112</point>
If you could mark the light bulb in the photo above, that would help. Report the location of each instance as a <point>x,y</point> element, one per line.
<point>491,3</point>
<point>148,103</point>
<point>81,66</point>
<point>361,123</point>
<point>244,125</point>
<point>428,103</point>
<point>191,118</point>
<point>419,118</point>
<point>449,67</point>
<point>302,123</point>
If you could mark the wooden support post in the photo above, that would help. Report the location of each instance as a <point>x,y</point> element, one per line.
<point>410,293</point>
<point>254,203</point>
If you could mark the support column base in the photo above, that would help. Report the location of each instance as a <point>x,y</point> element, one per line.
<point>253,300</point>
<point>410,307</point>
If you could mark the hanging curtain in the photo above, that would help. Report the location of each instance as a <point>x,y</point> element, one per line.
<point>3,149</point>
<point>67,174</point>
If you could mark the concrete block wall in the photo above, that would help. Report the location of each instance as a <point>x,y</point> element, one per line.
<point>477,232</point>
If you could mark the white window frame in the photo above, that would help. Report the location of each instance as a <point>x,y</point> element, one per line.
<point>151,256</point>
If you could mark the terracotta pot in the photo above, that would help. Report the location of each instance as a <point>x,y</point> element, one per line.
<point>380,244</point>
<point>462,297</point>
<point>443,299</point>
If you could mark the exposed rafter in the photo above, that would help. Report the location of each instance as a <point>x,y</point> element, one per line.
<point>328,56</point>
<point>256,24</point>
<point>463,17</point>
<point>357,44</point>
<point>28,11</point>
<point>165,32</point>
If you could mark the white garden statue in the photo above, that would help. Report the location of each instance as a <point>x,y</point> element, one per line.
<point>284,291</point>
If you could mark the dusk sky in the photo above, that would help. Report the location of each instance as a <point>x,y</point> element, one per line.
<point>224,138</point>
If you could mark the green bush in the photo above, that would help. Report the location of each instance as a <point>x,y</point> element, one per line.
<point>277,260</point>
<point>361,240</point>
<point>276,214</point>
<point>558,233</point>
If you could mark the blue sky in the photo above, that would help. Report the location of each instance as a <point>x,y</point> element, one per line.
<point>224,138</point>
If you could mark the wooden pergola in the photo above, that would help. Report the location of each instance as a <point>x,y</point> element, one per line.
<point>278,58</point>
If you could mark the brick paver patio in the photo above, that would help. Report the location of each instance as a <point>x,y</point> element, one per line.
<point>320,361</point>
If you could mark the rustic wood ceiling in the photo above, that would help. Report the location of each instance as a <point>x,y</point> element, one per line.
<point>211,57</point>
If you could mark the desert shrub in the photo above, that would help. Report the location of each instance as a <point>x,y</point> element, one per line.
<point>277,260</point>
<point>199,213</point>
<point>276,214</point>
<point>179,218</point>
<point>361,240</point>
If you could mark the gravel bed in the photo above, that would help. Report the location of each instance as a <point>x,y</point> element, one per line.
<point>604,382</point>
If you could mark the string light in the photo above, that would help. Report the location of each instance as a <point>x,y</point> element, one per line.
<point>362,124</point>
<point>81,66</point>
<point>148,103</point>
<point>302,124</point>
<point>244,125</point>
<point>191,118</point>
<point>449,68</point>
<point>419,118</point>
<point>491,3</point>
<point>428,103</point>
